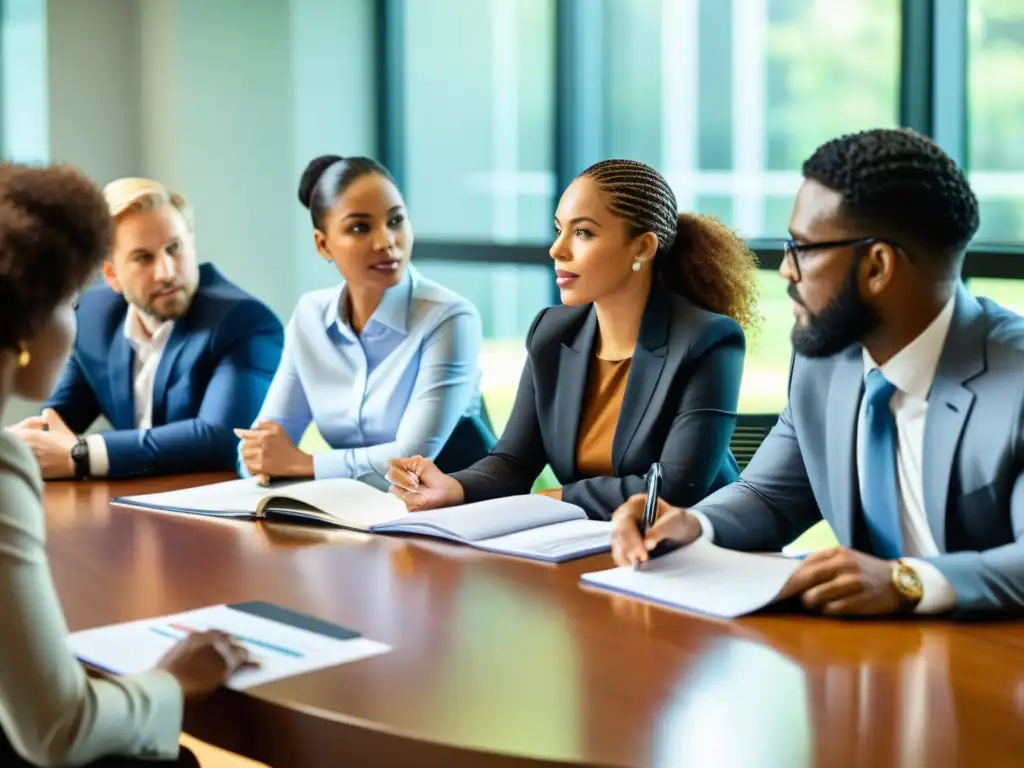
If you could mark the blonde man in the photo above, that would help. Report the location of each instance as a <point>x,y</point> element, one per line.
<point>169,351</point>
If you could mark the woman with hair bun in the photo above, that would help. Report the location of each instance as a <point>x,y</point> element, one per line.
<point>642,364</point>
<point>386,363</point>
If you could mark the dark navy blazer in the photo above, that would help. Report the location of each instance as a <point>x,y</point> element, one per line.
<point>212,377</point>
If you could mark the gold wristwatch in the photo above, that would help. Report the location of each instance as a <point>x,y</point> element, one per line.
<point>908,585</point>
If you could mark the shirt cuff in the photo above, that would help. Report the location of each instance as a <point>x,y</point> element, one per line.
<point>99,461</point>
<point>165,690</point>
<point>330,464</point>
<point>938,595</point>
<point>707,530</point>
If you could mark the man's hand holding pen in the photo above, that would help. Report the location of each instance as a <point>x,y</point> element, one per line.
<point>672,526</point>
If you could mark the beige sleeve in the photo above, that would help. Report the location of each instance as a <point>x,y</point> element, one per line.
<point>50,710</point>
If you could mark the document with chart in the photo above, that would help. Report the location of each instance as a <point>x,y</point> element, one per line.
<point>284,642</point>
<point>704,578</point>
<point>531,526</point>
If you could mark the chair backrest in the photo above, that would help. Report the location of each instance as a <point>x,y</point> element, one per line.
<point>751,430</point>
<point>472,439</point>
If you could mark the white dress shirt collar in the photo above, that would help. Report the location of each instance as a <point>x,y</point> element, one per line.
<point>143,331</point>
<point>912,369</point>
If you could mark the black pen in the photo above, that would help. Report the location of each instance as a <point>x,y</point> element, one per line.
<point>653,478</point>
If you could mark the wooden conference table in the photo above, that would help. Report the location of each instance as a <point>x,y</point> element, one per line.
<point>499,661</point>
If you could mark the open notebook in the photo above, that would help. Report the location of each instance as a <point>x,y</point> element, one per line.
<point>533,526</point>
<point>703,578</point>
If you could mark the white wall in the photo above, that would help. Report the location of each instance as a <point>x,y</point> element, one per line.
<point>333,104</point>
<point>93,86</point>
<point>225,100</point>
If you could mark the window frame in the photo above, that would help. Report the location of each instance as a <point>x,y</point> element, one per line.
<point>932,100</point>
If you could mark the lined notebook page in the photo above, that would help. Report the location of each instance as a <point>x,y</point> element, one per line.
<point>487,519</point>
<point>555,543</point>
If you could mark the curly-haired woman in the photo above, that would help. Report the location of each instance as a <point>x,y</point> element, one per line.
<point>55,231</point>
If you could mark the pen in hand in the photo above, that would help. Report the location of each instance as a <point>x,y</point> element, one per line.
<point>653,479</point>
<point>412,484</point>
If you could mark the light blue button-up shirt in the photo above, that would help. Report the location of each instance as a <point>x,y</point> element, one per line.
<point>397,389</point>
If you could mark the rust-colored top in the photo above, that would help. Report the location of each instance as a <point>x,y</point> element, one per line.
<point>606,384</point>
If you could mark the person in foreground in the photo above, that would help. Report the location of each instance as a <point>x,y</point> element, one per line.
<point>386,363</point>
<point>905,422</point>
<point>642,364</point>
<point>170,352</point>
<point>54,232</point>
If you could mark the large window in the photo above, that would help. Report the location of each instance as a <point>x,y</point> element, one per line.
<point>728,98</point>
<point>503,99</point>
<point>479,111</point>
<point>766,368</point>
<point>508,296</point>
<point>996,116</point>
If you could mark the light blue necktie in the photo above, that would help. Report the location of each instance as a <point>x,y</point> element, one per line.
<point>880,499</point>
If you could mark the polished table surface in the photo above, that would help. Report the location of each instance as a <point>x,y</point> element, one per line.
<point>498,660</point>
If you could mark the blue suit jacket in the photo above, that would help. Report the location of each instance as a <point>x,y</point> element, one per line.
<point>972,464</point>
<point>212,377</point>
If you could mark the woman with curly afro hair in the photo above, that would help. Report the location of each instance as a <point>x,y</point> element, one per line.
<point>55,231</point>
<point>641,365</point>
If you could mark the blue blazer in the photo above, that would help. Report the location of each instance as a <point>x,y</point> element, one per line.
<point>973,476</point>
<point>212,377</point>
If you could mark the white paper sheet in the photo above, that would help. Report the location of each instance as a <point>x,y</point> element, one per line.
<point>283,650</point>
<point>232,497</point>
<point>355,504</point>
<point>554,543</point>
<point>488,519</point>
<point>704,578</point>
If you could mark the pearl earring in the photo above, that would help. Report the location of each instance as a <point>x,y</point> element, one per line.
<point>636,265</point>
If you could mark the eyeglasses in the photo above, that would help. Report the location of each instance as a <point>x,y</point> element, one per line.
<point>792,250</point>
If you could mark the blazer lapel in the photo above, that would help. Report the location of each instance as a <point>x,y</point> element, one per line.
<point>570,391</point>
<point>949,404</point>
<point>841,440</point>
<point>644,372</point>
<point>179,335</point>
<point>121,373</point>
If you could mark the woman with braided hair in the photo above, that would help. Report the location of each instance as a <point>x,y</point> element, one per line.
<point>642,364</point>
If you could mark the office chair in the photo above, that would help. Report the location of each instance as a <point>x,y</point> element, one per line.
<point>751,430</point>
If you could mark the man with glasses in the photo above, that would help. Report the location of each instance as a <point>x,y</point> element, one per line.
<point>905,422</point>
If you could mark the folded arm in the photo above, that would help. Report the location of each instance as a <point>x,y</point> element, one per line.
<point>697,441</point>
<point>445,385</point>
<point>50,710</point>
